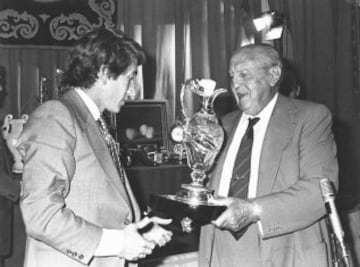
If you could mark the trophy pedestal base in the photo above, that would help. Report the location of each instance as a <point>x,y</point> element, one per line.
<point>185,214</point>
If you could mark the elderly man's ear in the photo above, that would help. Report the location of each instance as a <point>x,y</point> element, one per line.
<point>275,74</point>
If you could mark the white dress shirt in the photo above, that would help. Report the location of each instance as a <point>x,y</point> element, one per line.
<point>259,134</point>
<point>89,103</point>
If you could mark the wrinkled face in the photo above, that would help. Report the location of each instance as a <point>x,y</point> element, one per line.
<point>115,89</point>
<point>252,82</point>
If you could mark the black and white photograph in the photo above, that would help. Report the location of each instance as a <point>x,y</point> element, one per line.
<point>168,133</point>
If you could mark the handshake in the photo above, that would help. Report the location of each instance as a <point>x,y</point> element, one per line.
<point>136,240</point>
<point>151,230</point>
<point>152,234</point>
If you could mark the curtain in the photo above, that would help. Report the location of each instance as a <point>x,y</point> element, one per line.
<point>323,52</point>
<point>184,39</point>
<point>347,100</point>
<point>25,67</point>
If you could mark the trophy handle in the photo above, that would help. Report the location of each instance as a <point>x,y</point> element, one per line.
<point>217,92</point>
<point>207,101</point>
<point>183,108</point>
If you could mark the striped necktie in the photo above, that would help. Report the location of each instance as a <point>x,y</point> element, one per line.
<point>113,147</point>
<point>115,155</point>
<point>241,173</point>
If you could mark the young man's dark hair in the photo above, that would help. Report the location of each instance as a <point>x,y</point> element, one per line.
<point>91,52</point>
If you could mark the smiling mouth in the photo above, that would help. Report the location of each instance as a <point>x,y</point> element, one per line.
<point>242,95</point>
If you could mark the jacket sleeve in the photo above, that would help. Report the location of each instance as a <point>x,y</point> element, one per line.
<point>300,203</point>
<point>47,145</point>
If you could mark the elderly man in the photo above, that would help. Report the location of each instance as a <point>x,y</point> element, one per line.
<point>277,151</point>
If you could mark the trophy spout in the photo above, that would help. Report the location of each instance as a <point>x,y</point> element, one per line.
<point>182,102</point>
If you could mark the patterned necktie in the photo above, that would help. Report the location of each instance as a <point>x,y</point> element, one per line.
<point>113,147</point>
<point>241,172</point>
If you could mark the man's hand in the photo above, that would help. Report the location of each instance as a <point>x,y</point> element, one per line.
<point>134,245</point>
<point>129,243</point>
<point>239,214</point>
<point>156,233</point>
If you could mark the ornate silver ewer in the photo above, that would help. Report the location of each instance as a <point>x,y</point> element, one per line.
<point>202,138</point>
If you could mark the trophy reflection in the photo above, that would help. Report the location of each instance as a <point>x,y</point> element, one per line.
<point>202,137</point>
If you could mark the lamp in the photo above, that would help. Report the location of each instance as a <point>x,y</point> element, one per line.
<point>272,23</point>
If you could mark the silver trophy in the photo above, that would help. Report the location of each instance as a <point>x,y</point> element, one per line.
<point>202,138</point>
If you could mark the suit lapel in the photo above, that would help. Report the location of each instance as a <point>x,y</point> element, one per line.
<point>280,129</point>
<point>97,142</point>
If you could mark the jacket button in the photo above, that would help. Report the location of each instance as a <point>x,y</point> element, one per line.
<point>81,256</point>
<point>127,221</point>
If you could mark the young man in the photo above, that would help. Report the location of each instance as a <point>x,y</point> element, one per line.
<point>78,207</point>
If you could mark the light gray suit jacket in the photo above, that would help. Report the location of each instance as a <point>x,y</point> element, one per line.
<point>298,151</point>
<point>71,187</point>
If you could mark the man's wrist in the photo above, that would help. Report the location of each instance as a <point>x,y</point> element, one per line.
<point>21,189</point>
<point>110,243</point>
<point>257,210</point>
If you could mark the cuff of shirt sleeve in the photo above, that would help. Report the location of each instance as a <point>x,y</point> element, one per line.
<point>111,243</point>
<point>257,213</point>
<point>21,189</point>
<point>257,210</point>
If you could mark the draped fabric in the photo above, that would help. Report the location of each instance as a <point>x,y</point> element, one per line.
<point>25,67</point>
<point>324,45</point>
<point>183,39</point>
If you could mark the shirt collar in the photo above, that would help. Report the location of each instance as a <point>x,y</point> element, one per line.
<point>89,103</point>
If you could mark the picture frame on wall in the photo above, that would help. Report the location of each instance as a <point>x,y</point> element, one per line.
<point>143,123</point>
